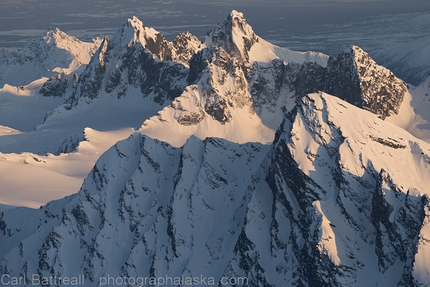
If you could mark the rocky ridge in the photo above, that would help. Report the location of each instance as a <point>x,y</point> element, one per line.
<point>53,53</point>
<point>324,205</point>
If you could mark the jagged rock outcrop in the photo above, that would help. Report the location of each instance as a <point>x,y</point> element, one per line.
<point>352,76</point>
<point>356,78</point>
<point>324,205</point>
<point>136,57</point>
<point>234,35</point>
<point>323,202</point>
<point>186,46</point>
<point>340,215</point>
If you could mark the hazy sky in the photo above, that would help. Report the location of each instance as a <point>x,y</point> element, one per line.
<point>287,22</point>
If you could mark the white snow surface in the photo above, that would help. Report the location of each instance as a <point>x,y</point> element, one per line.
<point>218,208</point>
<point>26,162</point>
<point>261,50</point>
<point>364,142</point>
<point>368,140</point>
<point>32,180</point>
<point>55,52</point>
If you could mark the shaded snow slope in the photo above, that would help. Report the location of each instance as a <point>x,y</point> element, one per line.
<point>55,52</point>
<point>420,102</point>
<point>153,191</point>
<point>23,104</point>
<point>220,98</point>
<point>327,204</point>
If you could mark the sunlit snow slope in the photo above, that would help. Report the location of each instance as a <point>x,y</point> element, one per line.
<point>75,88</point>
<point>339,199</point>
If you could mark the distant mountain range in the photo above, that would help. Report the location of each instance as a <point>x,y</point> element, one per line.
<point>231,159</point>
<point>410,61</point>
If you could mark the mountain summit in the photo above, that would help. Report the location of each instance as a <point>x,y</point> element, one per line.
<point>356,78</point>
<point>234,35</point>
<point>233,158</point>
<point>54,52</point>
<point>327,204</point>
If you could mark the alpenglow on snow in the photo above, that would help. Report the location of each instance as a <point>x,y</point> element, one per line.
<point>233,160</point>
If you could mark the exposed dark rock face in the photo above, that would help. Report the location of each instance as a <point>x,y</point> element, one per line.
<point>191,119</point>
<point>90,81</point>
<point>198,63</point>
<point>70,145</point>
<point>306,78</point>
<point>292,213</point>
<point>343,80</point>
<point>266,83</point>
<point>352,76</point>
<point>55,86</point>
<point>164,79</point>
<point>356,78</point>
<point>186,46</point>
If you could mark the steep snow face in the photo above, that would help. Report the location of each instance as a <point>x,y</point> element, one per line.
<point>236,72</point>
<point>217,103</point>
<point>127,81</point>
<point>55,52</point>
<point>24,97</point>
<point>341,210</point>
<point>419,124</point>
<point>328,204</point>
<point>144,202</point>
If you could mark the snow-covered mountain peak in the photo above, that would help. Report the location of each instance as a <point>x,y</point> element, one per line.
<point>134,32</point>
<point>237,37</point>
<point>234,35</point>
<point>337,197</point>
<point>186,45</point>
<point>239,25</point>
<point>55,36</point>
<point>45,56</point>
<point>55,44</point>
